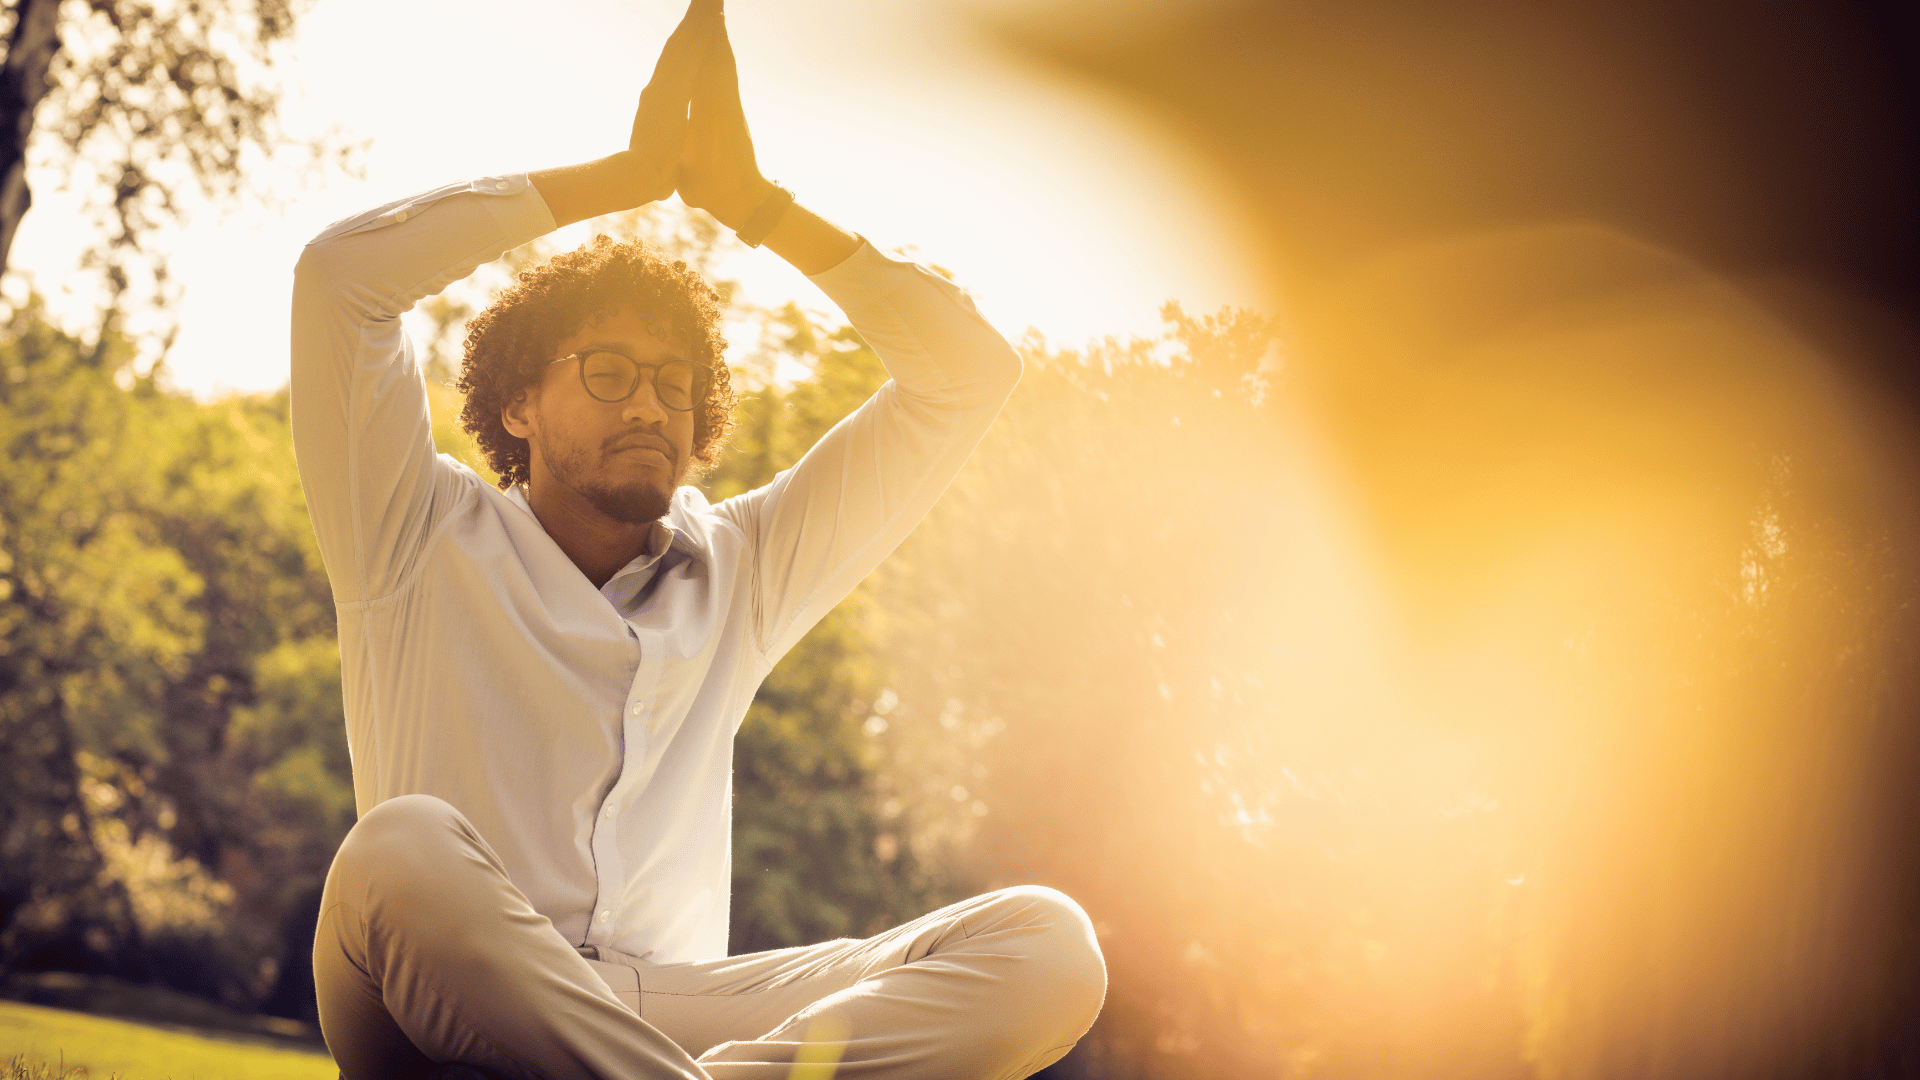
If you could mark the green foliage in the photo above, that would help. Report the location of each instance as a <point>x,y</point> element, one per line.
<point>813,858</point>
<point>816,855</point>
<point>66,535</point>
<point>1083,641</point>
<point>774,424</point>
<point>169,689</point>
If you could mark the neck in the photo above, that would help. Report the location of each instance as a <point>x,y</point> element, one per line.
<point>597,544</point>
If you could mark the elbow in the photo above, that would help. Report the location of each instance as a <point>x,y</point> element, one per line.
<point>316,286</point>
<point>992,371</point>
<point>330,281</point>
<point>318,273</point>
<point>1008,371</point>
<point>1001,363</point>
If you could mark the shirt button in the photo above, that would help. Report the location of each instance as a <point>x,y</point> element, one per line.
<point>607,813</point>
<point>401,216</point>
<point>637,708</point>
<point>605,915</point>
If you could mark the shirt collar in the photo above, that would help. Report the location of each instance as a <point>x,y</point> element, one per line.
<point>627,582</point>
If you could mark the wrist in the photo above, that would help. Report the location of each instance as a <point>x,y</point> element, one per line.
<point>738,207</point>
<point>769,214</point>
<point>619,181</point>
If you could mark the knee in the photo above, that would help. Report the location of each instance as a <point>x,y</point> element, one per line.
<point>400,839</point>
<point>1069,972</point>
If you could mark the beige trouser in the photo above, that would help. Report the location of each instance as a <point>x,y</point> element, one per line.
<point>427,953</point>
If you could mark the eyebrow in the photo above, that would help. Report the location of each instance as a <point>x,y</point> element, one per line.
<point>621,348</point>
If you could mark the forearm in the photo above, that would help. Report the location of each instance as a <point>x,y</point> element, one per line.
<point>612,184</point>
<point>810,242</point>
<point>593,188</point>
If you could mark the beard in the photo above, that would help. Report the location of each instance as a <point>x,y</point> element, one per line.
<point>637,501</point>
<point>634,504</point>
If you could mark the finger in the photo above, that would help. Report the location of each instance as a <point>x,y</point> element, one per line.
<point>681,57</point>
<point>663,103</point>
<point>718,89</point>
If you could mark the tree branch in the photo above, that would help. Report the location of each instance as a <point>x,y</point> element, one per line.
<point>23,82</point>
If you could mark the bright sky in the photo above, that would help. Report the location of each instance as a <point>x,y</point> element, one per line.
<point>1056,207</point>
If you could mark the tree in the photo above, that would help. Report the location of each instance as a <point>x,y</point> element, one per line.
<point>1082,641</point>
<point>137,101</point>
<point>23,82</point>
<point>94,611</point>
<point>169,691</point>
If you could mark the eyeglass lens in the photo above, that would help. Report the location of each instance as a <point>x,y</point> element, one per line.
<point>610,376</point>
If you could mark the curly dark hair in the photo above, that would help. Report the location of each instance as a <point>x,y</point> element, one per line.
<point>510,343</point>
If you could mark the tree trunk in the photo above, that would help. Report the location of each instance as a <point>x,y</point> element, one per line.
<point>23,82</point>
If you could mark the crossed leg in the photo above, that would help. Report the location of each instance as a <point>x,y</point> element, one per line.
<point>427,953</point>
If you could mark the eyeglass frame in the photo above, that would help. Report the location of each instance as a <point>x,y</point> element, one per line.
<point>640,367</point>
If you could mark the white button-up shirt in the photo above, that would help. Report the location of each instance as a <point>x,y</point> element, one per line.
<point>588,733</point>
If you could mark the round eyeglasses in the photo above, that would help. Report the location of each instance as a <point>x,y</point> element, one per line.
<point>614,376</point>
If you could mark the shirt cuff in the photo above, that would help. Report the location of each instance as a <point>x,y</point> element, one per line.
<point>523,215</point>
<point>859,275</point>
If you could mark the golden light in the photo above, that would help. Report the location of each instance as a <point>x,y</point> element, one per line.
<point>1524,689</point>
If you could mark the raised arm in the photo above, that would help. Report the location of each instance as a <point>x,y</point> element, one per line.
<point>361,431</point>
<point>822,525</point>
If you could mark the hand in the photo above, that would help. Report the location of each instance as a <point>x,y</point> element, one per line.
<point>660,123</point>
<point>717,171</point>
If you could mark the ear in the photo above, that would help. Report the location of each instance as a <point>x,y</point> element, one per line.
<point>517,414</point>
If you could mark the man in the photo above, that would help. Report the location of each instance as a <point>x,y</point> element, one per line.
<point>542,683</point>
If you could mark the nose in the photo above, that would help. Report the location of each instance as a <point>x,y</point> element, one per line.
<point>644,406</point>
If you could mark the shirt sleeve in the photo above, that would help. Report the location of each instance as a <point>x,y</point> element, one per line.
<point>361,431</point>
<point>821,526</point>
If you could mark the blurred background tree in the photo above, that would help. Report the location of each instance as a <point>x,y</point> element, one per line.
<point>141,105</point>
<point>171,712</point>
<point>170,696</point>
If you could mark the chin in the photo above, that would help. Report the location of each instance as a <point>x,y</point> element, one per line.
<point>634,505</point>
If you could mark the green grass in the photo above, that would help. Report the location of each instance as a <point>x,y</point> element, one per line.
<point>34,1043</point>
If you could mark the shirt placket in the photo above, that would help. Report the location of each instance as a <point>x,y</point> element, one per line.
<point>638,722</point>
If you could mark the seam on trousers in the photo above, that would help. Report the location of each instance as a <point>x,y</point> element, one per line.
<point>965,935</point>
<point>477,1036</point>
<point>482,1040</point>
<point>762,989</point>
<point>357,917</point>
<point>737,993</point>
<point>1042,1060</point>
